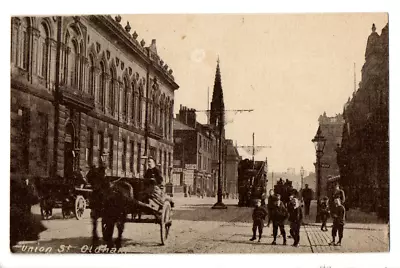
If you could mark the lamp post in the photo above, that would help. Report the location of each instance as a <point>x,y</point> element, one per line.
<point>319,143</point>
<point>220,204</point>
<point>302,176</point>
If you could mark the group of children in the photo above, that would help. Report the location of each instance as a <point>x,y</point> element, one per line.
<point>292,211</point>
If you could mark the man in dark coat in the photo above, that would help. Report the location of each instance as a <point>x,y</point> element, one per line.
<point>154,183</point>
<point>295,218</point>
<point>278,216</point>
<point>307,196</point>
<point>24,226</point>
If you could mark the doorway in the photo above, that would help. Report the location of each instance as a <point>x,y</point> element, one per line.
<point>69,150</point>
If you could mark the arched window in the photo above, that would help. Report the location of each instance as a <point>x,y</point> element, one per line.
<point>125,99</point>
<point>111,94</point>
<point>140,108</point>
<point>24,45</point>
<point>81,72</point>
<point>165,111</point>
<point>73,63</point>
<point>162,116</point>
<point>102,85</point>
<point>91,75</point>
<point>154,109</point>
<point>133,102</point>
<point>43,51</point>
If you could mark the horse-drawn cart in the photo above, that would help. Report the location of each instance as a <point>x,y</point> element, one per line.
<point>57,193</point>
<point>155,209</point>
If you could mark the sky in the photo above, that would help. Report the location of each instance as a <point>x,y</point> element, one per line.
<point>289,68</point>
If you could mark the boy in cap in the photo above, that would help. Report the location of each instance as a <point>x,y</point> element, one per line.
<point>324,211</point>
<point>278,216</point>
<point>338,215</point>
<point>259,214</point>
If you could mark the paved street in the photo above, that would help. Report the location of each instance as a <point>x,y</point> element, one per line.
<point>199,229</point>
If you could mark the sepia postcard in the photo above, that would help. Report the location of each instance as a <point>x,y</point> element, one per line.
<point>200,133</point>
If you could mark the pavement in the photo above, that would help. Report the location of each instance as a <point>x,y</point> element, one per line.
<point>197,228</point>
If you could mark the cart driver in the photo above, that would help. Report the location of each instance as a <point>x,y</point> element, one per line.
<point>154,182</point>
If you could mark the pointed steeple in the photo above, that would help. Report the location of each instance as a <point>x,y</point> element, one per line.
<point>217,103</point>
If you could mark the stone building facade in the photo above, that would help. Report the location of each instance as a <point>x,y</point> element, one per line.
<point>363,157</point>
<point>196,148</point>
<point>83,87</point>
<point>331,128</point>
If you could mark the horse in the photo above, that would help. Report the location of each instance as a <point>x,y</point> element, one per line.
<point>23,225</point>
<point>111,201</point>
<point>118,203</point>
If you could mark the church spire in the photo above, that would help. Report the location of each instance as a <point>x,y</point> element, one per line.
<point>217,103</point>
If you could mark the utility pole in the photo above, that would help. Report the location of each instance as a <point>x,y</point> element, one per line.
<point>56,99</point>
<point>220,204</point>
<point>253,149</point>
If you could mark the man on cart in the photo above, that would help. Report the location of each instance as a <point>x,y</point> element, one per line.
<point>154,185</point>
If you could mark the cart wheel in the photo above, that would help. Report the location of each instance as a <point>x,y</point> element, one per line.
<point>165,223</point>
<point>80,206</point>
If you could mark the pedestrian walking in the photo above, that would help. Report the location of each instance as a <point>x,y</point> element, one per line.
<point>278,216</point>
<point>307,196</point>
<point>270,205</point>
<point>295,219</point>
<point>324,212</point>
<point>339,193</point>
<point>338,216</point>
<point>259,215</point>
<point>290,208</point>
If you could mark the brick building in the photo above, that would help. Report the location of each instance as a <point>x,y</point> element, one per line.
<point>196,149</point>
<point>331,128</point>
<point>197,146</point>
<point>364,154</point>
<point>83,87</point>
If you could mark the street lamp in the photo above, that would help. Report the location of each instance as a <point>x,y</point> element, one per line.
<point>220,204</point>
<point>319,142</point>
<point>302,176</point>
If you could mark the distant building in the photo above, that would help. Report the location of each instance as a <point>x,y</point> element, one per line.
<point>232,161</point>
<point>331,129</point>
<point>291,171</point>
<point>194,152</point>
<point>197,146</point>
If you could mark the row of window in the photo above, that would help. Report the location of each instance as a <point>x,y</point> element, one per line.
<point>134,158</point>
<point>29,48</point>
<point>204,163</point>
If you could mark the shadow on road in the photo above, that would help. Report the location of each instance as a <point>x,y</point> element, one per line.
<point>205,213</point>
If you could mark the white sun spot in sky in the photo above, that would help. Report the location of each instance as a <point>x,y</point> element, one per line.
<point>198,55</point>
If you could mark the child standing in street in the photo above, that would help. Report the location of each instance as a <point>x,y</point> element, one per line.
<point>324,212</point>
<point>278,217</point>
<point>259,214</point>
<point>338,215</point>
<point>295,218</point>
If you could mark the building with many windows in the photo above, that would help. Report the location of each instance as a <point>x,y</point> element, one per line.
<point>196,149</point>
<point>363,156</point>
<point>200,150</point>
<point>83,88</point>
